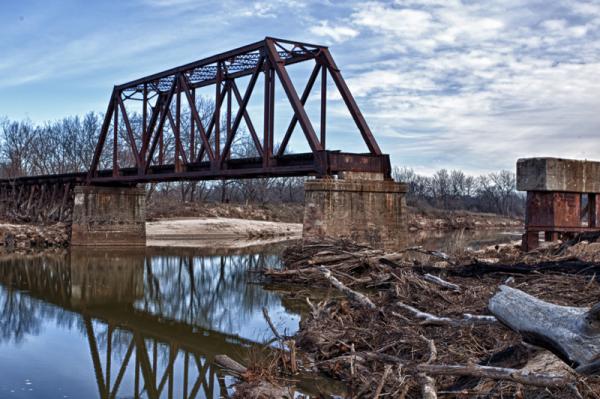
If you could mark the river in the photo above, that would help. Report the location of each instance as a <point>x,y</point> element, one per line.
<point>143,322</point>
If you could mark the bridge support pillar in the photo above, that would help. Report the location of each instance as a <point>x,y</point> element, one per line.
<point>109,216</point>
<point>363,207</point>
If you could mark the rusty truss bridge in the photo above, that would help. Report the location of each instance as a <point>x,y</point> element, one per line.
<point>154,131</point>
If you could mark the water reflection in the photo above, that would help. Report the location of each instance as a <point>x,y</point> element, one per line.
<point>129,324</point>
<point>451,241</point>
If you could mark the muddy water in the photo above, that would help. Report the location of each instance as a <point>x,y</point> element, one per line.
<point>143,323</point>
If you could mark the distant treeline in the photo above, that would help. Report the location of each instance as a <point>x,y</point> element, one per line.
<point>67,145</point>
<point>454,190</point>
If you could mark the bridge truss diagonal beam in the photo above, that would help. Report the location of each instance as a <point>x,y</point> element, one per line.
<point>154,147</point>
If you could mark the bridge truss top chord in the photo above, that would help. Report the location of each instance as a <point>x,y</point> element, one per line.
<point>203,148</point>
<point>155,131</point>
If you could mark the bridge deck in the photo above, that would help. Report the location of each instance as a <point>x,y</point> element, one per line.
<point>307,164</point>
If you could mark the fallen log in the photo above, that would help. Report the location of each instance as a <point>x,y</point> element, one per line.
<point>571,333</point>
<point>496,373</point>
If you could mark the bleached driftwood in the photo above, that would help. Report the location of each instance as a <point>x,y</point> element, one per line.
<point>428,389</point>
<point>230,365</point>
<point>353,295</point>
<point>430,319</point>
<point>571,333</point>
<point>496,373</point>
<point>442,283</point>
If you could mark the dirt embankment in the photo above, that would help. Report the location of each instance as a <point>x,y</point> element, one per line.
<point>431,219</point>
<point>399,324</point>
<point>33,237</point>
<point>458,220</point>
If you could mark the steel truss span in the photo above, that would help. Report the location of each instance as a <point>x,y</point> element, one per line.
<point>154,131</point>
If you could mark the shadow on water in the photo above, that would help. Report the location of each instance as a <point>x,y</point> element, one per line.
<point>135,323</point>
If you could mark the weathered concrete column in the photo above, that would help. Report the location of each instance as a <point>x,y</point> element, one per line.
<point>109,216</point>
<point>361,206</point>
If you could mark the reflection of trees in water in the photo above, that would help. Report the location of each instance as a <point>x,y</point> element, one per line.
<point>20,314</point>
<point>207,291</point>
<point>130,347</point>
<point>212,291</point>
<point>124,362</point>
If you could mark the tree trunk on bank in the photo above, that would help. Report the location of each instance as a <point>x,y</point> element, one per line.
<point>571,333</point>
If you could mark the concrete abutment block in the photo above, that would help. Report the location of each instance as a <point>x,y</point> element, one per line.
<point>109,216</point>
<point>363,207</point>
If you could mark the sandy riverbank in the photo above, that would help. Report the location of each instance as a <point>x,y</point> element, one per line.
<point>213,224</point>
<point>201,232</point>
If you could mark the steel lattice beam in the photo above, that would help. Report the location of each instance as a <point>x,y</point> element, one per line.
<point>158,149</point>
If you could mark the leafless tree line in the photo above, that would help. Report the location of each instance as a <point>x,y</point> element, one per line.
<point>454,190</point>
<point>67,145</point>
<point>63,146</point>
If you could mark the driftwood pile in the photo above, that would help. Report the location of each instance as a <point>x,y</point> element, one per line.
<point>420,323</point>
<point>26,237</point>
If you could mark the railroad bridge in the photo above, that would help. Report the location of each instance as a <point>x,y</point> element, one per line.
<point>353,193</point>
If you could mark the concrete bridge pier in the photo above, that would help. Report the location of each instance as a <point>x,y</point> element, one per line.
<point>109,216</point>
<point>364,207</point>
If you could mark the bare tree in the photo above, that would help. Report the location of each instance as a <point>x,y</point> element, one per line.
<point>454,189</point>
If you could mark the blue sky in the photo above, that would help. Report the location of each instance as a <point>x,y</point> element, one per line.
<point>442,83</point>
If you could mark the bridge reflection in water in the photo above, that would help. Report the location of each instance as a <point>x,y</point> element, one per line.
<point>153,320</point>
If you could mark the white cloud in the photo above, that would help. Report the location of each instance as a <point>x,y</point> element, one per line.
<point>338,33</point>
<point>463,85</point>
<point>259,9</point>
<point>442,83</point>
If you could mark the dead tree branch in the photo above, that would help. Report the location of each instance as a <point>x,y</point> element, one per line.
<point>442,283</point>
<point>353,295</point>
<point>430,319</point>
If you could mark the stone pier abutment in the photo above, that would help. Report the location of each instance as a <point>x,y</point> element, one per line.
<point>363,207</point>
<point>109,216</point>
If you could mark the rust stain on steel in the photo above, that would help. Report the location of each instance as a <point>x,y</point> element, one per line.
<point>562,197</point>
<point>558,214</point>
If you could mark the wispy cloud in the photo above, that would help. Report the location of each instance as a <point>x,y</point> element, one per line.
<point>458,84</point>
<point>443,83</point>
<point>337,33</point>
